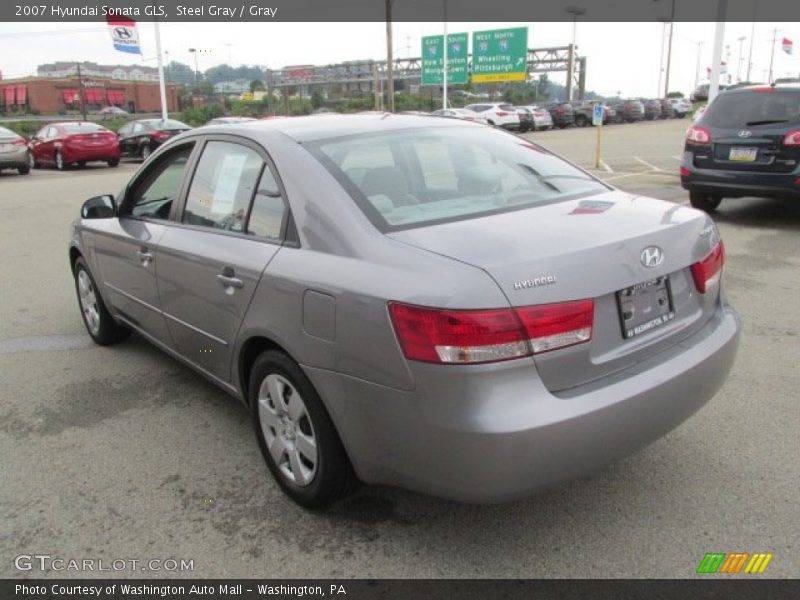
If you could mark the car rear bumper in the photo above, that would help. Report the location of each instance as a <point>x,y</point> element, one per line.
<point>16,158</point>
<point>72,154</point>
<point>735,184</point>
<point>493,433</point>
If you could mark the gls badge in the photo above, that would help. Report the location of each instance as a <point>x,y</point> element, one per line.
<point>652,256</point>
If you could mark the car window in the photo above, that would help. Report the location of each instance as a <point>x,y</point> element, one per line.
<point>268,210</point>
<point>753,109</point>
<point>222,186</point>
<point>451,174</point>
<point>138,128</point>
<point>153,194</point>
<point>51,132</point>
<point>42,133</point>
<point>124,129</point>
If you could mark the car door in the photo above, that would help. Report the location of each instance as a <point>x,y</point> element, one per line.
<point>36,144</point>
<point>44,150</point>
<point>123,134</point>
<point>210,264</point>
<point>126,248</point>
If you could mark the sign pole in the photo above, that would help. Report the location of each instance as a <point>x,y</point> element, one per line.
<point>161,85</point>
<point>444,66</point>
<point>597,121</point>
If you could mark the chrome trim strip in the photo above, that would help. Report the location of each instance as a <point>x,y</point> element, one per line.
<point>169,316</point>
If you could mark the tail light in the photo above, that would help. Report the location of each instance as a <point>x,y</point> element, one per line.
<point>19,142</point>
<point>698,135</point>
<point>161,135</point>
<point>481,336</point>
<point>685,172</point>
<point>708,271</point>
<point>500,113</point>
<point>792,138</point>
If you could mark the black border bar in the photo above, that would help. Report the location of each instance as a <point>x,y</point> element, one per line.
<point>533,11</point>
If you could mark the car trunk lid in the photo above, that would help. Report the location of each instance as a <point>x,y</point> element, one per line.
<point>590,248</point>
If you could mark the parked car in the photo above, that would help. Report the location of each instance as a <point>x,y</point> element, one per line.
<point>230,120</point>
<point>412,301</point>
<point>13,152</point>
<point>113,111</point>
<point>584,113</point>
<point>700,93</point>
<point>628,111</point>
<point>746,143</point>
<point>667,110</point>
<point>680,107</point>
<point>542,121</point>
<point>652,109</point>
<point>562,113</point>
<point>498,114</point>
<point>65,144</point>
<point>461,113</point>
<point>140,138</point>
<point>525,118</point>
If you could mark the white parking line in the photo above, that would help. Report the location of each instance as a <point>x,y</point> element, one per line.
<point>646,164</point>
<point>678,158</point>
<point>606,167</point>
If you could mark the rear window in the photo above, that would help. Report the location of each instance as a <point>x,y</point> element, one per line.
<point>7,132</point>
<point>83,128</point>
<point>413,178</point>
<point>735,110</point>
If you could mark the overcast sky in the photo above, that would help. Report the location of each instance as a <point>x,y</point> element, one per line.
<point>621,56</point>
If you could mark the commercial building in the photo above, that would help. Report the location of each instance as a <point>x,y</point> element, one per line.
<point>46,95</point>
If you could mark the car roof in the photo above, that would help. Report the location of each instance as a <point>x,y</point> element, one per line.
<point>320,127</point>
<point>778,87</point>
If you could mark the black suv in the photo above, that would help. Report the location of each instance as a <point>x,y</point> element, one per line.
<point>747,143</point>
<point>562,113</point>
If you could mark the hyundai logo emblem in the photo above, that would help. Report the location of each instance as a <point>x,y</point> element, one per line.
<point>122,33</point>
<point>745,134</point>
<point>652,256</point>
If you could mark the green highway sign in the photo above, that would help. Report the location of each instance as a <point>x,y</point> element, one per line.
<point>500,55</point>
<point>433,59</point>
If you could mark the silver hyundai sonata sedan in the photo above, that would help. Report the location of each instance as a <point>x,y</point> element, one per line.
<point>412,301</point>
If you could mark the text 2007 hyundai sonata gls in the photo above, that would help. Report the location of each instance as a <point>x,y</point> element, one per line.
<point>430,304</point>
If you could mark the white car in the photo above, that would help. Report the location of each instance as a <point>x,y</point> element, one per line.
<point>498,114</point>
<point>460,113</point>
<point>542,121</point>
<point>681,106</point>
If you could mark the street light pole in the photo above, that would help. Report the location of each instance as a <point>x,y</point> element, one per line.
<point>669,48</point>
<point>661,58</point>
<point>194,51</point>
<point>739,63</point>
<point>697,65</point>
<point>575,11</point>
<point>772,53</point>
<point>389,56</point>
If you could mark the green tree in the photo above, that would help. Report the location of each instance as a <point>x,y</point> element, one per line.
<point>257,86</point>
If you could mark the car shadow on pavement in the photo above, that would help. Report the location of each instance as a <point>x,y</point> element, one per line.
<point>760,212</point>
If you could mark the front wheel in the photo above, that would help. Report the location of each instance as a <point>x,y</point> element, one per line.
<point>60,164</point>
<point>296,436</point>
<point>581,121</point>
<point>705,202</point>
<point>24,170</point>
<point>99,322</point>
<point>146,151</point>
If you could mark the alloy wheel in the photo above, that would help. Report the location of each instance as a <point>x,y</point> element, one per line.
<point>287,430</point>
<point>88,300</point>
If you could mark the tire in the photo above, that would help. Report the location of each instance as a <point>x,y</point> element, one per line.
<point>99,323</point>
<point>24,170</point>
<point>114,162</point>
<point>32,164</point>
<point>705,202</point>
<point>145,151</point>
<point>581,121</point>
<point>59,160</point>
<point>491,123</point>
<point>318,476</point>
<point>82,163</point>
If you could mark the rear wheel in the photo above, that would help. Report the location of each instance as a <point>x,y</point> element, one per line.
<point>581,121</point>
<point>296,436</point>
<point>146,151</point>
<point>24,170</point>
<point>59,160</point>
<point>99,322</point>
<point>113,162</point>
<point>705,202</point>
<point>81,163</point>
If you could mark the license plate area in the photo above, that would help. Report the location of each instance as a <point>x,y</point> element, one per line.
<point>743,154</point>
<point>645,306</point>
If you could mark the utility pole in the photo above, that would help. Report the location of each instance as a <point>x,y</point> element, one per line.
<point>81,93</point>
<point>741,58</point>
<point>194,51</point>
<point>669,48</point>
<point>752,41</point>
<point>162,88</point>
<point>661,58</point>
<point>719,38</point>
<point>389,55</point>
<point>772,54</point>
<point>575,11</point>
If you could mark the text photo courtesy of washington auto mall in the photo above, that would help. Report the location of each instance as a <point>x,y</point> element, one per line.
<point>400,299</point>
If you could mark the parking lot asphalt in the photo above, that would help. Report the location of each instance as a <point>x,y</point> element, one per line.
<point>122,452</point>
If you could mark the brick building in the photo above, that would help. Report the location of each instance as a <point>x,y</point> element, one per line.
<point>61,95</point>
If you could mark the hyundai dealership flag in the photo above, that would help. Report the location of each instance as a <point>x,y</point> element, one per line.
<point>787,45</point>
<point>124,34</point>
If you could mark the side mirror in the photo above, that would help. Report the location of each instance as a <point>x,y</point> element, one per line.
<point>99,207</point>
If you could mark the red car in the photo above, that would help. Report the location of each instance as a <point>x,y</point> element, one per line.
<point>63,144</point>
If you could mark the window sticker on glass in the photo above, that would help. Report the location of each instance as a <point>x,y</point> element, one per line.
<point>228,177</point>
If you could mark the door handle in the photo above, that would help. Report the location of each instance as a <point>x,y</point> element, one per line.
<point>145,256</point>
<point>232,282</point>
